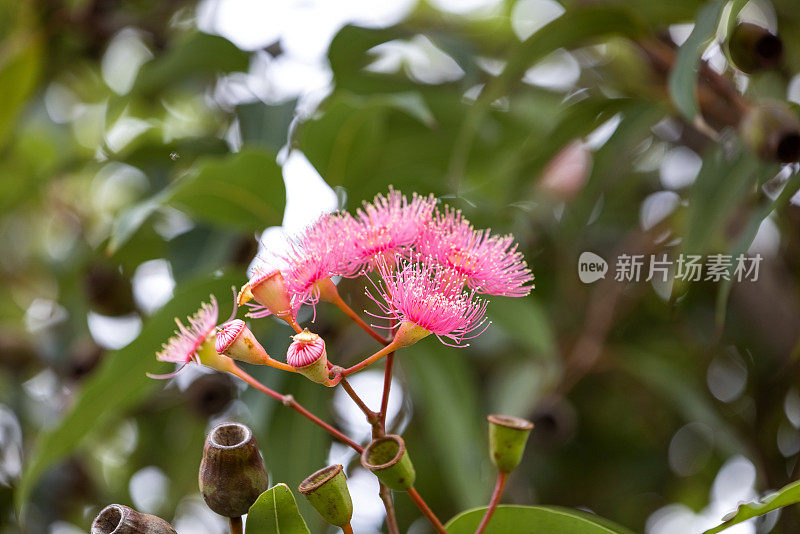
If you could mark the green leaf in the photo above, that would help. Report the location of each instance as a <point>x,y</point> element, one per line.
<point>133,218</point>
<point>194,56</point>
<point>508,519</point>
<point>119,384</point>
<point>747,235</point>
<point>789,494</point>
<point>683,75</point>
<point>526,322</point>
<point>264,125</point>
<point>574,28</point>
<point>445,389</point>
<point>20,64</point>
<point>721,184</point>
<point>244,191</point>
<point>275,512</point>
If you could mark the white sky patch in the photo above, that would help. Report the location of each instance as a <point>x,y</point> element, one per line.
<point>601,134</point>
<point>679,168</point>
<point>307,194</point>
<point>152,285</point>
<point>419,57</point>
<point>148,488</point>
<point>114,332</point>
<point>125,54</point>
<point>733,485</point>
<point>529,16</point>
<point>463,7</point>
<point>558,71</point>
<point>657,207</point>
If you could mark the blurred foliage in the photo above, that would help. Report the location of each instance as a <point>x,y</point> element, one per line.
<point>109,161</point>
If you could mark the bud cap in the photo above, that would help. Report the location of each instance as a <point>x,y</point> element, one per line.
<point>507,438</point>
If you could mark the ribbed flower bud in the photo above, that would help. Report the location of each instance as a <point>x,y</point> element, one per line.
<point>119,519</point>
<point>268,288</point>
<point>236,341</point>
<point>507,438</point>
<point>753,48</point>
<point>388,459</point>
<point>232,473</point>
<point>327,492</point>
<point>772,130</point>
<point>307,354</point>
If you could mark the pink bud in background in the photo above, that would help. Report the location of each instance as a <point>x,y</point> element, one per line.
<point>307,354</point>
<point>236,341</point>
<point>566,174</point>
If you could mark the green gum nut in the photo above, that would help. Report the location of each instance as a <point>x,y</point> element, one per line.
<point>327,492</point>
<point>507,438</point>
<point>388,459</point>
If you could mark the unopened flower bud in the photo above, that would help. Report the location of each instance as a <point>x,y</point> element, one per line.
<point>753,48</point>
<point>388,459</point>
<point>232,473</point>
<point>119,519</point>
<point>507,438</point>
<point>236,341</point>
<point>327,492</point>
<point>307,354</point>
<point>772,130</point>
<point>268,288</point>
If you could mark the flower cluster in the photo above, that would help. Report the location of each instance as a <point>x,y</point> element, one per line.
<point>431,264</point>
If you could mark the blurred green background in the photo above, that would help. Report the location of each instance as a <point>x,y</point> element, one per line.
<point>146,145</point>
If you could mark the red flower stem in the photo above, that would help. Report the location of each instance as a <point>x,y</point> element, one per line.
<point>372,417</point>
<point>495,500</point>
<point>288,400</point>
<point>388,349</point>
<point>342,305</point>
<point>236,525</point>
<point>426,511</point>
<point>347,529</point>
<point>391,518</point>
<point>387,384</point>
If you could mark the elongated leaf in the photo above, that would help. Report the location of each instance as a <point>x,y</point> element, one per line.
<point>574,28</point>
<point>533,520</point>
<point>194,56</point>
<point>525,320</point>
<point>684,73</point>
<point>444,389</point>
<point>746,239</point>
<point>119,384</point>
<point>244,191</point>
<point>722,183</point>
<point>275,512</point>
<point>785,496</point>
<point>20,63</point>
